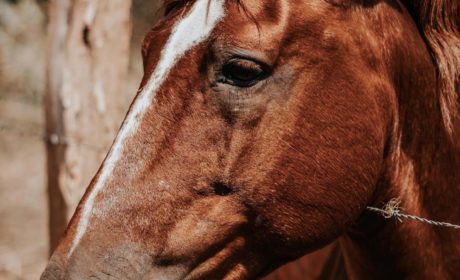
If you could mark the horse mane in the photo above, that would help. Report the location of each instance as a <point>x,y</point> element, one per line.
<point>439,24</point>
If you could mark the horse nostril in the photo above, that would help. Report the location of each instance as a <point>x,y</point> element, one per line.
<point>221,188</point>
<point>165,262</point>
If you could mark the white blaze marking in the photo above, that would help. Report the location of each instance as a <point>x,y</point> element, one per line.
<point>187,33</point>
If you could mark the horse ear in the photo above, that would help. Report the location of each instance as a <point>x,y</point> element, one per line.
<point>439,23</point>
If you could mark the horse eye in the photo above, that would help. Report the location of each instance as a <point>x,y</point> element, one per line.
<point>242,72</point>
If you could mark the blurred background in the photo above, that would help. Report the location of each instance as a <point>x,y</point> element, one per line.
<point>25,79</point>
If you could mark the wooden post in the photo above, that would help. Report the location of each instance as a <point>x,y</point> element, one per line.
<point>88,54</point>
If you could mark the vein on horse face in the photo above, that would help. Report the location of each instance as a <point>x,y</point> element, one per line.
<point>193,29</point>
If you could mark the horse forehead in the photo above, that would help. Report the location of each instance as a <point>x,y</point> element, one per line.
<point>262,12</point>
<point>255,25</point>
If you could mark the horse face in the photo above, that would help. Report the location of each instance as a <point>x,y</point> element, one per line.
<point>257,136</point>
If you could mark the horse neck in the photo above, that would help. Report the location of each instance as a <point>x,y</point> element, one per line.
<point>423,171</point>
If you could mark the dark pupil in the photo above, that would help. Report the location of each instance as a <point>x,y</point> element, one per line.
<point>242,71</point>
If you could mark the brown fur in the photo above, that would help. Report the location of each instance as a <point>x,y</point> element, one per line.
<point>439,23</point>
<point>230,183</point>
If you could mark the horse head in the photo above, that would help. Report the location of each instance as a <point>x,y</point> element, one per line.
<point>260,133</point>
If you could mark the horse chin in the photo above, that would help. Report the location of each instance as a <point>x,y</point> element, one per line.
<point>236,260</point>
<point>226,264</point>
<point>248,267</point>
<point>172,272</point>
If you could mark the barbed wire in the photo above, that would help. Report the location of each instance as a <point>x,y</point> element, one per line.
<point>393,210</point>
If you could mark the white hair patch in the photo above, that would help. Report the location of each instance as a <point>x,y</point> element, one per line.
<point>193,29</point>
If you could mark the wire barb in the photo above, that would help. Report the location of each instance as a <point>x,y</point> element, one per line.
<point>393,210</point>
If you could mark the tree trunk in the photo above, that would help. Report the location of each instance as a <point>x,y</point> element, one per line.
<point>88,55</point>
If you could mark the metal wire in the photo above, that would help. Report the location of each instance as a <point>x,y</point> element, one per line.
<point>392,210</point>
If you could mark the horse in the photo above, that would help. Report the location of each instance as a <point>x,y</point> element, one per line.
<point>262,131</point>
